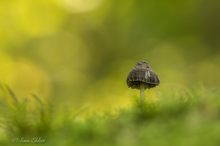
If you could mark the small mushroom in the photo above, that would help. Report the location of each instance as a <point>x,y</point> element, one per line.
<point>142,77</point>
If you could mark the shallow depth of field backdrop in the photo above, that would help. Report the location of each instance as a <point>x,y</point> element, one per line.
<point>77,53</point>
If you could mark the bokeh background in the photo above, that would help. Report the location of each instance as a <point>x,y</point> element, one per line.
<point>79,52</point>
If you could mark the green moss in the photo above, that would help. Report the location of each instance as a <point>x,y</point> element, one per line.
<point>192,122</point>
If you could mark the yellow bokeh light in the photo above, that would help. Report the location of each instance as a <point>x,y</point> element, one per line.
<point>23,77</point>
<point>80,6</point>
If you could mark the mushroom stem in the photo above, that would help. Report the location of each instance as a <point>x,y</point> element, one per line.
<point>142,88</point>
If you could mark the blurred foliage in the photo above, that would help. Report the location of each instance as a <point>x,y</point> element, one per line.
<point>77,53</point>
<point>73,47</point>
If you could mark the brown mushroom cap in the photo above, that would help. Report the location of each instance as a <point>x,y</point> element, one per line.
<point>142,74</point>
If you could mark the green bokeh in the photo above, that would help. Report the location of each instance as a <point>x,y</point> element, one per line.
<point>78,53</point>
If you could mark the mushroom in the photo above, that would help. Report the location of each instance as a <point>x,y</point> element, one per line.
<point>142,77</point>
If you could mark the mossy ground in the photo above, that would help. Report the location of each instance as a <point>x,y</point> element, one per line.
<point>184,120</point>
